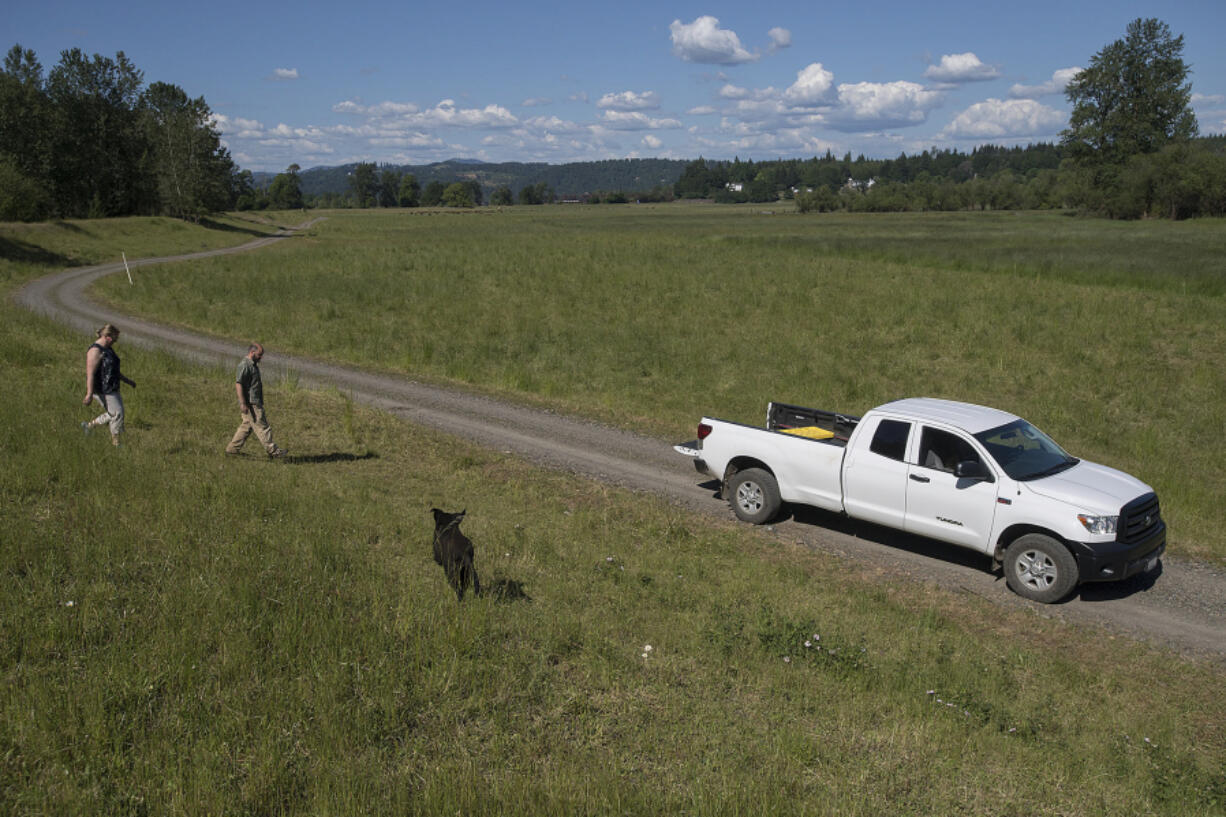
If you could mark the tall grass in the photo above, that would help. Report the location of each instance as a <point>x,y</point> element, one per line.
<point>185,633</point>
<point>1106,335</point>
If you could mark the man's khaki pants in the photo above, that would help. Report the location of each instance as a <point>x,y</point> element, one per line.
<point>254,420</point>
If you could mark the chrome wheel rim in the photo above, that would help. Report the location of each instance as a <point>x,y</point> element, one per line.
<point>1036,570</point>
<point>749,497</point>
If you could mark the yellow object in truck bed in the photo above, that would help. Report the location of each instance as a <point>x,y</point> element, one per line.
<point>812,432</point>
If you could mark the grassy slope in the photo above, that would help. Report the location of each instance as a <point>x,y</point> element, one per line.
<point>180,632</point>
<point>1106,335</point>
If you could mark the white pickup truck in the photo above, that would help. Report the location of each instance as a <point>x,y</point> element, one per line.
<point>974,476</point>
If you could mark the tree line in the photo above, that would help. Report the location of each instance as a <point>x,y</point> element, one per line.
<point>1131,151</point>
<point>88,139</point>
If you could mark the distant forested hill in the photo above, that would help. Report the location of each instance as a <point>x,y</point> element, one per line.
<point>573,179</point>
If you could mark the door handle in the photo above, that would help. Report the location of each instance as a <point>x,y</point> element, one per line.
<point>918,478</point>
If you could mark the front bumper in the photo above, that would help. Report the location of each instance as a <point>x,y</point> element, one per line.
<point>1113,561</point>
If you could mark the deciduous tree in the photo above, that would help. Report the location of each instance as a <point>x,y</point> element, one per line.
<point>502,197</point>
<point>1134,98</point>
<point>410,191</point>
<point>432,196</point>
<point>389,188</point>
<point>193,171</point>
<point>458,194</point>
<point>96,138</point>
<point>285,192</point>
<point>364,185</point>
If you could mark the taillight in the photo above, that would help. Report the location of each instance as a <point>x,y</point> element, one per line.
<point>704,431</point>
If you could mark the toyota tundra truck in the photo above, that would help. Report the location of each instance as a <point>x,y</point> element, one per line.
<point>973,476</point>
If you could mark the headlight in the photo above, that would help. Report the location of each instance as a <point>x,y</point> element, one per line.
<point>1098,524</point>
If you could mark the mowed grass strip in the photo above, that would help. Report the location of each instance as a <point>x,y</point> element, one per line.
<point>1106,335</point>
<point>182,632</point>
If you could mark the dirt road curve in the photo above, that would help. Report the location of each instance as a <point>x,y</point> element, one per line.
<point>1184,607</point>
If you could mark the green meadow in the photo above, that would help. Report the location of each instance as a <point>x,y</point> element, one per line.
<point>185,633</point>
<point>1108,335</point>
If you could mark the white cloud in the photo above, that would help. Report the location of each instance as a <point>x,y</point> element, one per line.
<point>284,74</point>
<point>411,140</point>
<point>635,120</point>
<point>237,127</point>
<point>1005,119</point>
<point>1056,85</point>
<point>536,102</point>
<point>870,105</point>
<point>703,41</point>
<point>1208,99</point>
<point>957,68</point>
<point>792,140</point>
<point>630,101</point>
<point>781,38</point>
<point>730,91</point>
<point>552,124</point>
<point>652,141</point>
<point>352,106</point>
<point>813,86</point>
<point>703,110</point>
<point>446,114</point>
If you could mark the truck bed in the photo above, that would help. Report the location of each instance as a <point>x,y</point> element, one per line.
<point>784,416</point>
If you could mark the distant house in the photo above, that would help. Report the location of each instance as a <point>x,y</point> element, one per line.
<point>735,187</point>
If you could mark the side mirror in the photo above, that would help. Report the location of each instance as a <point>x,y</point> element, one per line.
<point>972,469</point>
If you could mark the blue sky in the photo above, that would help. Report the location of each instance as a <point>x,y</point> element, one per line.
<point>317,83</point>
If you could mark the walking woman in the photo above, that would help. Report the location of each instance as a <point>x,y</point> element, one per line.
<point>102,379</point>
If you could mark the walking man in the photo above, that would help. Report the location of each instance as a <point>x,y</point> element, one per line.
<point>251,405</point>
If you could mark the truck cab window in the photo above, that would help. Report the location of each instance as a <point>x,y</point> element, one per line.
<point>890,439</point>
<point>943,451</point>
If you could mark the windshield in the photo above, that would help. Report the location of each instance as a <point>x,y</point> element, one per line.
<point>1024,451</point>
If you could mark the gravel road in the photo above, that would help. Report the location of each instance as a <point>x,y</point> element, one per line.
<point>1181,606</point>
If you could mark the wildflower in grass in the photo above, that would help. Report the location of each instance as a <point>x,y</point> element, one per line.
<point>787,659</point>
<point>808,644</point>
<point>70,604</point>
<point>647,648</point>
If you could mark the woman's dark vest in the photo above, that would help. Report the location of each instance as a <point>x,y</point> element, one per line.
<point>106,377</point>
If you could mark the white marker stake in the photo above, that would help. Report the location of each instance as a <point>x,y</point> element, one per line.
<point>125,267</point>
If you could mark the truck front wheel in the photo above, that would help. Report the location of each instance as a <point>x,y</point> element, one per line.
<point>1039,568</point>
<point>755,496</point>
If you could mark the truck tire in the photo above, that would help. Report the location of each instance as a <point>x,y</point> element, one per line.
<point>754,495</point>
<point>1039,568</point>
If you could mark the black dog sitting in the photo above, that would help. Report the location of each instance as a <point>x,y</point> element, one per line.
<point>454,551</point>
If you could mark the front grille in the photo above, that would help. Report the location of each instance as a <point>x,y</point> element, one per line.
<point>1138,519</point>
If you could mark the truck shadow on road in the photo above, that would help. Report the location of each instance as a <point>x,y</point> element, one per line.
<point>888,537</point>
<point>931,548</point>
<point>816,518</point>
<point>1114,591</point>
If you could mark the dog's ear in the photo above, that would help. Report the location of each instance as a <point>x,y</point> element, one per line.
<point>461,514</point>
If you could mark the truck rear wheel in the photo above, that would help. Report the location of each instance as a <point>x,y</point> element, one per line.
<point>754,496</point>
<point>1039,568</point>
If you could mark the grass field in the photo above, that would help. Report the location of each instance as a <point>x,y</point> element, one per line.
<point>1106,335</point>
<point>182,633</point>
